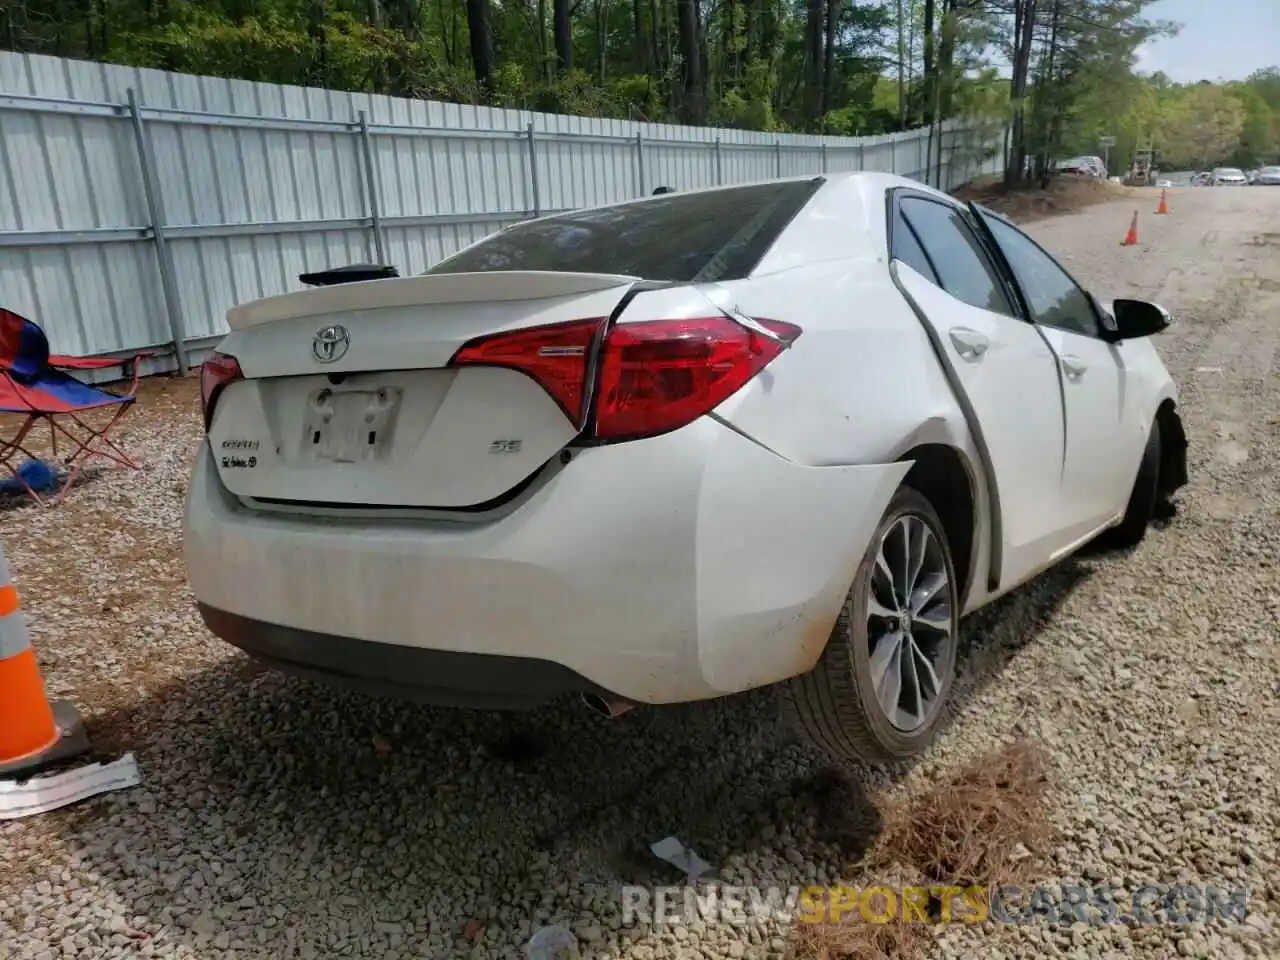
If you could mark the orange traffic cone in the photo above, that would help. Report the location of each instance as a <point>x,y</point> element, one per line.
<point>1131,237</point>
<point>1164,205</point>
<point>31,736</point>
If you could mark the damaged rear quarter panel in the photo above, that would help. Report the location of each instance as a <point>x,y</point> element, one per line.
<point>861,385</point>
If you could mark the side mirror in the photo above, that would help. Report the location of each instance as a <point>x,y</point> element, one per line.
<point>1135,319</point>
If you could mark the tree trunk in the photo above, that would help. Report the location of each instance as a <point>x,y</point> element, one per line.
<point>602,33</point>
<point>639,41</point>
<point>947,58</point>
<point>547,71</point>
<point>902,65</point>
<point>563,29</point>
<point>929,73</point>
<point>659,66</point>
<point>1046,107</point>
<point>316,16</point>
<point>406,16</point>
<point>693,106</point>
<point>481,42</point>
<point>726,46</point>
<point>1023,32</point>
<point>829,58</point>
<point>814,11</point>
<point>446,34</point>
<point>704,59</point>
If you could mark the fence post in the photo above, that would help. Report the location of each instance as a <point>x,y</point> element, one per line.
<point>371,182</point>
<point>777,153</point>
<point>823,148</point>
<point>719,165</point>
<point>639,164</point>
<point>533,170</point>
<point>893,153</point>
<point>862,156</point>
<point>155,212</point>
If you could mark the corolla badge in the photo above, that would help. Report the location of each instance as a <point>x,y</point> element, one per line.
<point>331,343</point>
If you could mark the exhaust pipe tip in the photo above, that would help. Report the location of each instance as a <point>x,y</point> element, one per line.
<point>605,707</point>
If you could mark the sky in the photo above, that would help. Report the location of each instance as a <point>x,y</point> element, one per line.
<point>1218,41</point>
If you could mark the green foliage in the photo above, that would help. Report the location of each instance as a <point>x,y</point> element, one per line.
<point>778,65</point>
<point>749,106</point>
<point>1256,142</point>
<point>1198,125</point>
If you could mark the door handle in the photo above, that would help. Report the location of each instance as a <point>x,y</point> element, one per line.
<point>970,344</point>
<point>1073,366</point>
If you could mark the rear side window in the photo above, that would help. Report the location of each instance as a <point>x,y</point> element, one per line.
<point>691,237</point>
<point>958,257</point>
<point>907,248</point>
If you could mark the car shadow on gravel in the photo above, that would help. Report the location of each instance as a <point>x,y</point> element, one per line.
<point>277,804</point>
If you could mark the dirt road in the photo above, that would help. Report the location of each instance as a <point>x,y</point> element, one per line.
<point>281,819</point>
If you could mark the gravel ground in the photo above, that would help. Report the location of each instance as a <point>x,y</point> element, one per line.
<point>282,819</point>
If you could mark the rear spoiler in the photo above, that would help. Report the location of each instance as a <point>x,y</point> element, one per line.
<point>352,273</point>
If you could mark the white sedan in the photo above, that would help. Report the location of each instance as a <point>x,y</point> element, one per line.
<point>672,449</point>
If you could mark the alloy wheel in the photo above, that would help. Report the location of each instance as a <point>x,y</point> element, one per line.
<point>910,622</point>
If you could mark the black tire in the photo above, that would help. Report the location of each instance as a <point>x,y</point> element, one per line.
<point>1142,500</point>
<point>834,706</point>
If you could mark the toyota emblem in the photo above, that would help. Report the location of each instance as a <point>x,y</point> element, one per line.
<point>331,343</point>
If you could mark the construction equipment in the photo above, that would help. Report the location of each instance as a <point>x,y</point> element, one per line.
<point>1143,170</point>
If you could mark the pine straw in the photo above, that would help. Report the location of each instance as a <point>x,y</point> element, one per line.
<point>984,826</point>
<point>856,940</point>
<point>981,826</point>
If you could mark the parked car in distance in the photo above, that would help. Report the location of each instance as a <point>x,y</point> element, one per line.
<point>1229,177</point>
<point>1083,166</point>
<point>676,448</point>
<point>1204,179</point>
<point>1267,177</point>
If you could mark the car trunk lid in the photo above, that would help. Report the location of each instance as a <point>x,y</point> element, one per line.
<point>348,398</point>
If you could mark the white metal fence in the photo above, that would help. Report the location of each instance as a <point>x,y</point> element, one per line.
<point>137,206</point>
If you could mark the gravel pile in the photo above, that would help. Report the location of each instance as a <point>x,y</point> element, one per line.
<point>282,819</point>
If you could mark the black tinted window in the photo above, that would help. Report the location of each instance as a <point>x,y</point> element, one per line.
<point>1052,296</point>
<point>681,237</point>
<point>958,258</point>
<point>907,248</point>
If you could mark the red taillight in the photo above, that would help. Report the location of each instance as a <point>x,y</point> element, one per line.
<point>654,376</point>
<point>555,355</point>
<point>215,373</point>
<point>658,375</point>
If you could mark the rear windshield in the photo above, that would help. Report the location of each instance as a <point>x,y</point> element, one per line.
<point>693,237</point>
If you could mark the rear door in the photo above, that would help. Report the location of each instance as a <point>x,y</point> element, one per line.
<point>1004,366</point>
<point>1104,428</point>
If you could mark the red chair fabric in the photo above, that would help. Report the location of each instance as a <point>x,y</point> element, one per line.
<point>38,387</point>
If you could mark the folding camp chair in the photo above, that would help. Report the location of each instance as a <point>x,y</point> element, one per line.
<point>36,386</point>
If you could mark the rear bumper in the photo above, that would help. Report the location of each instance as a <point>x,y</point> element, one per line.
<point>442,677</point>
<point>678,568</point>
